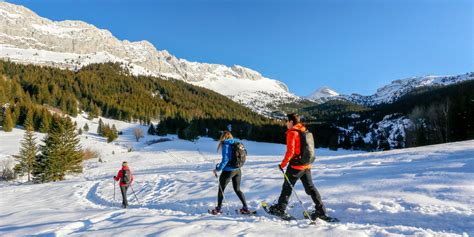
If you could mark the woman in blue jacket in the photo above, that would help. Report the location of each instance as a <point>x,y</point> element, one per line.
<point>228,173</point>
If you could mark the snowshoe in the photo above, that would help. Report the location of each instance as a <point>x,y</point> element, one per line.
<point>275,211</point>
<point>323,217</point>
<point>328,219</point>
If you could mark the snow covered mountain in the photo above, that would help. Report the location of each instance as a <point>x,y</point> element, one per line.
<point>322,94</point>
<point>391,92</point>
<point>27,38</point>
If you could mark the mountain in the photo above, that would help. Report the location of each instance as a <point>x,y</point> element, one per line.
<point>391,92</point>
<point>28,38</point>
<point>398,88</point>
<point>322,94</point>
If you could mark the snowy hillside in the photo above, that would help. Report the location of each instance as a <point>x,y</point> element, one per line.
<point>425,191</point>
<point>28,38</point>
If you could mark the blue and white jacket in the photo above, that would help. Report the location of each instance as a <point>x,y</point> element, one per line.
<point>226,155</point>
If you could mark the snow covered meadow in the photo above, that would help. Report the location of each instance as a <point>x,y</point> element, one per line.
<point>426,191</point>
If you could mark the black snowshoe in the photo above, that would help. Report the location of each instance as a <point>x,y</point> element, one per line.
<point>276,211</point>
<point>316,215</point>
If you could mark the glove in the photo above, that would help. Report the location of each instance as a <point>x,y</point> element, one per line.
<point>115,177</point>
<point>281,168</point>
<point>215,173</point>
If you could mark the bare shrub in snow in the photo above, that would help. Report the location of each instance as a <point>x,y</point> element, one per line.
<point>138,133</point>
<point>89,153</point>
<point>7,172</point>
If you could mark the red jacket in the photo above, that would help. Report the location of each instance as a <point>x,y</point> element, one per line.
<point>119,175</point>
<point>293,147</point>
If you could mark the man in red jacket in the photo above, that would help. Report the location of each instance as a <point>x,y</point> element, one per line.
<point>295,172</point>
<point>126,178</point>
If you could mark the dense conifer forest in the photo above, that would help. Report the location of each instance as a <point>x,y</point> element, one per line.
<point>110,91</point>
<point>438,114</point>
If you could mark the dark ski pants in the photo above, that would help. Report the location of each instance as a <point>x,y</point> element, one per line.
<point>305,177</point>
<point>224,179</point>
<point>123,190</point>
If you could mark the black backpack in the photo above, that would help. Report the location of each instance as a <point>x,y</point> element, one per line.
<point>306,155</point>
<point>239,155</point>
<point>126,177</point>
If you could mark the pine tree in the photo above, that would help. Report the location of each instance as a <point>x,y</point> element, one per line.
<point>346,143</point>
<point>114,129</point>
<point>333,142</point>
<point>86,127</point>
<point>7,120</point>
<point>73,152</point>
<point>161,129</point>
<point>48,166</point>
<point>60,154</point>
<point>110,133</point>
<point>100,128</point>
<point>45,122</point>
<point>151,129</point>
<point>28,150</point>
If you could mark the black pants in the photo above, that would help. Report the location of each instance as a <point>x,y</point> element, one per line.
<point>123,190</point>
<point>224,179</point>
<point>305,177</point>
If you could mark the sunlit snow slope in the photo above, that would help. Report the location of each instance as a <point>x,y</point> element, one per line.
<point>422,191</point>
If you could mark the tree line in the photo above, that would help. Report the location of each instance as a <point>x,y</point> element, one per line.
<point>110,91</point>
<point>437,114</point>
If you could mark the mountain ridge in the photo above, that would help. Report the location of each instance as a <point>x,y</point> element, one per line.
<point>391,92</point>
<point>26,37</point>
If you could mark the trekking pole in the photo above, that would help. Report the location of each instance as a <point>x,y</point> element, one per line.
<point>223,196</point>
<point>305,213</point>
<point>135,194</point>
<point>113,204</point>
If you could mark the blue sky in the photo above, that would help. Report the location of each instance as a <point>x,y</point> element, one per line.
<point>352,46</point>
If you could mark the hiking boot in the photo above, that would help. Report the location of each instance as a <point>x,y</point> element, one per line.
<point>276,210</point>
<point>216,211</point>
<point>317,214</point>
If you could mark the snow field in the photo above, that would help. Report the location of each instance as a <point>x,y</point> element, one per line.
<point>424,191</point>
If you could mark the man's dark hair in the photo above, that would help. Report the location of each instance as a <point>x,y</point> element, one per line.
<point>294,117</point>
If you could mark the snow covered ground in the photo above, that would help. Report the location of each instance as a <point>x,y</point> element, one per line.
<point>426,191</point>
